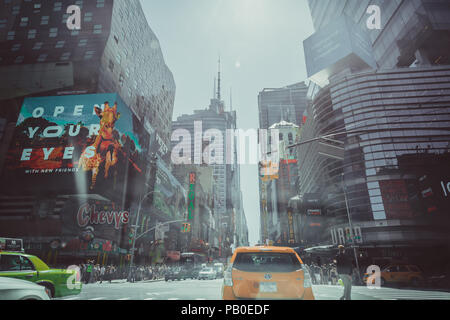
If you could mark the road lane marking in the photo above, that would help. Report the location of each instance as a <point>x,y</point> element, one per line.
<point>148,299</point>
<point>173,299</point>
<point>73,298</point>
<point>100,298</point>
<point>124,299</point>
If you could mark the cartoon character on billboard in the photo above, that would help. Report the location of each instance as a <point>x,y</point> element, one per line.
<point>105,147</point>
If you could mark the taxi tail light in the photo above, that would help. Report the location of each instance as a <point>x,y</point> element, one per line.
<point>307,283</point>
<point>227,277</point>
<point>48,292</point>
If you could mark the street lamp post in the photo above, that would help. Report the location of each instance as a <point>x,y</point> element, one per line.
<point>351,227</point>
<point>133,247</point>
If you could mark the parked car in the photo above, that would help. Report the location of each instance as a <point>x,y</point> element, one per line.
<point>15,289</point>
<point>23,266</point>
<point>207,274</point>
<point>400,274</point>
<point>178,274</point>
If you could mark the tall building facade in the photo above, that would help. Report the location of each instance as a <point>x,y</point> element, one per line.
<point>115,56</point>
<point>228,208</point>
<point>391,118</point>
<point>282,104</point>
<point>114,51</point>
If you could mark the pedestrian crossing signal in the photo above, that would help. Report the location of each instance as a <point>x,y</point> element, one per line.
<point>186,228</point>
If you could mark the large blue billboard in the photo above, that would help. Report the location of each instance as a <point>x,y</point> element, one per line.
<point>76,144</point>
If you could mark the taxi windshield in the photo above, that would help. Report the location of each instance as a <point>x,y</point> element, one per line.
<point>267,262</point>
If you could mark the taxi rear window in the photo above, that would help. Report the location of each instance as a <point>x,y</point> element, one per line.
<point>266,262</point>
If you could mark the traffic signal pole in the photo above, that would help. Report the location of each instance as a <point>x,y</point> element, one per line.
<point>351,227</point>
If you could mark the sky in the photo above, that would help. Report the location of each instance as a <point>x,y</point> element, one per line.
<point>260,44</point>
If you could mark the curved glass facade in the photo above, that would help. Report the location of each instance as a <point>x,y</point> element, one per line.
<point>396,125</point>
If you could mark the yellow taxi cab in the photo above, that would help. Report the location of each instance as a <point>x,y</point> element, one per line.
<point>266,273</point>
<point>399,274</point>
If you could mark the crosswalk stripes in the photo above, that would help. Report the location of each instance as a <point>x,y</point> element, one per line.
<point>148,299</point>
<point>99,298</point>
<point>124,299</point>
<point>386,294</point>
<point>173,299</point>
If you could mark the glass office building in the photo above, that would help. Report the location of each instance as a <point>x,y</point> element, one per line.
<point>392,122</point>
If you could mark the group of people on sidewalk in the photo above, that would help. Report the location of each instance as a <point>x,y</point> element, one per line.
<point>330,274</point>
<point>93,273</point>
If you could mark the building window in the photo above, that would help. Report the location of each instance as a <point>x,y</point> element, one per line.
<point>82,43</point>
<point>42,57</point>
<point>89,55</point>
<point>16,47</point>
<point>24,21</point>
<point>53,32</point>
<point>65,56</point>
<point>11,35</point>
<point>37,8</point>
<point>19,59</point>
<point>44,20</point>
<point>38,45</point>
<point>100,3</point>
<point>98,29</point>
<point>57,6</point>
<point>32,33</point>
<point>88,16</point>
<point>60,44</point>
<point>15,10</point>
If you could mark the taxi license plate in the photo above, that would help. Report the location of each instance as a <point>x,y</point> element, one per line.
<point>268,287</point>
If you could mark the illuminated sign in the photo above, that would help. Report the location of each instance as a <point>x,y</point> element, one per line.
<point>314,212</point>
<point>343,236</point>
<point>191,195</point>
<point>76,144</point>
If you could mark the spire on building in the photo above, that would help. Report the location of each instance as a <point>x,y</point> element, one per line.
<point>218,84</point>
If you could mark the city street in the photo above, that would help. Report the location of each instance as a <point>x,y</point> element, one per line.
<point>211,290</point>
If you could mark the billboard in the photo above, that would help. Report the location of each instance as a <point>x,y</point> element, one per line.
<point>75,144</point>
<point>395,199</point>
<point>170,196</point>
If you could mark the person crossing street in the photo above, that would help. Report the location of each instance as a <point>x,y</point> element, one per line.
<point>345,270</point>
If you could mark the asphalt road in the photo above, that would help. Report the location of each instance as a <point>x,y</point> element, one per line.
<point>211,290</point>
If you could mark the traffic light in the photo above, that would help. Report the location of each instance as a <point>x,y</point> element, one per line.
<point>186,228</point>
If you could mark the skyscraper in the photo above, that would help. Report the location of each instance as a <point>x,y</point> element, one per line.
<point>282,104</point>
<point>114,51</point>
<point>226,174</point>
<point>115,56</point>
<point>384,95</point>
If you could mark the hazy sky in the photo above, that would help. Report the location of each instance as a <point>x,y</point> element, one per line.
<point>260,45</point>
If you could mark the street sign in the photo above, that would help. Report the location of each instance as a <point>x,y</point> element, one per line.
<point>7,244</point>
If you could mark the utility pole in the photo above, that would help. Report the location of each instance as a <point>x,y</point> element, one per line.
<point>135,226</point>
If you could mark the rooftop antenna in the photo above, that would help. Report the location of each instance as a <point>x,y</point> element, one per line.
<point>214,92</point>
<point>218,84</point>
<point>231,99</point>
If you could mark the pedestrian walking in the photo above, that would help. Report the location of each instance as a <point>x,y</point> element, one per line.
<point>102,274</point>
<point>345,270</point>
<point>89,271</point>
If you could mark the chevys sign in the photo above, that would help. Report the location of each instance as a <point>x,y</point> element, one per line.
<point>89,215</point>
<point>91,220</point>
